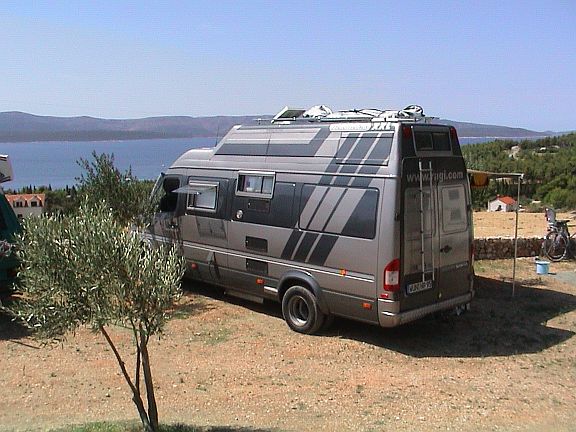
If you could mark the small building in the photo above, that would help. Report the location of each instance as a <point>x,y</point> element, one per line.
<point>502,203</point>
<point>27,204</point>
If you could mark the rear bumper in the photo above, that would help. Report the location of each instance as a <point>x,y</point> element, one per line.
<point>389,315</point>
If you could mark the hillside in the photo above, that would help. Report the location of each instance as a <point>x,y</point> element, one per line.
<point>548,164</point>
<point>466,129</point>
<point>20,127</point>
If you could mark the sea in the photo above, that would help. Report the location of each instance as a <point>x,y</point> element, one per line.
<point>51,163</point>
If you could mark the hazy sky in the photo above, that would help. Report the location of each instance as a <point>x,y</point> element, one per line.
<point>503,62</point>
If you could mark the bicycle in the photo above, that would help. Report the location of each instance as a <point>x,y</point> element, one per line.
<point>559,244</point>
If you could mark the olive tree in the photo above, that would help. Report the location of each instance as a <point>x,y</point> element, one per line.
<point>126,196</point>
<point>89,270</point>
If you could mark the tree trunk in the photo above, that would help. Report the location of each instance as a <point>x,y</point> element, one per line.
<point>136,397</point>
<point>152,407</point>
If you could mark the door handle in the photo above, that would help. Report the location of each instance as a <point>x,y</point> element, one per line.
<point>446,249</point>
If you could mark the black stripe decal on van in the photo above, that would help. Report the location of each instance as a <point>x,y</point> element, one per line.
<point>291,244</point>
<point>358,149</point>
<point>305,245</point>
<point>333,167</point>
<point>334,209</point>
<point>323,249</point>
<point>317,207</point>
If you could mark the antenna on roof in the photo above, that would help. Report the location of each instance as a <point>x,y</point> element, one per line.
<point>217,131</point>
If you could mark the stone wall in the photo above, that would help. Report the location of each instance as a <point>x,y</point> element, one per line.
<point>503,247</point>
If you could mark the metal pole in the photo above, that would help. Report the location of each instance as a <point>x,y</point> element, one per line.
<point>516,238</point>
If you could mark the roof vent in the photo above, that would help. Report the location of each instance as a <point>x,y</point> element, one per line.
<point>288,113</point>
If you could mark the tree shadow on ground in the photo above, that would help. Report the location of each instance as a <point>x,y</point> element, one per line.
<point>497,325</point>
<point>10,328</point>
<point>270,308</point>
<point>188,306</point>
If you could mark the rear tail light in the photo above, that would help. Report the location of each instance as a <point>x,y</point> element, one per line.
<point>392,276</point>
<point>406,132</point>
<point>453,134</point>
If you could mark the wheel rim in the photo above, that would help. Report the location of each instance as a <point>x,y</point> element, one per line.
<point>299,311</point>
<point>555,246</point>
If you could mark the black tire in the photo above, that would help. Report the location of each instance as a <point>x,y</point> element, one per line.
<point>301,311</point>
<point>555,246</point>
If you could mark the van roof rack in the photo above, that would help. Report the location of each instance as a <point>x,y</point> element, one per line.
<point>412,113</point>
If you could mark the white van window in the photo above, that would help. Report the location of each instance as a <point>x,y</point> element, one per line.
<point>202,196</point>
<point>255,184</point>
<point>454,216</point>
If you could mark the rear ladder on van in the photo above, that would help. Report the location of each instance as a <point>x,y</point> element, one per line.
<point>427,271</point>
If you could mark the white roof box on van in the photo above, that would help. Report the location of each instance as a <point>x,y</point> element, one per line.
<point>412,113</point>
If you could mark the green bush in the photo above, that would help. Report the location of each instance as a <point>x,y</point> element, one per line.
<point>127,198</point>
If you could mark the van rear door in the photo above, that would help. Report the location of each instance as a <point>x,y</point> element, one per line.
<point>436,221</point>
<point>454,240</point>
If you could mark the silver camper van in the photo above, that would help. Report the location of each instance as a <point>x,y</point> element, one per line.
<point>363,214</point>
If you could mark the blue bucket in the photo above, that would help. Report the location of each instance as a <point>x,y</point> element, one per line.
<point>542,267</point>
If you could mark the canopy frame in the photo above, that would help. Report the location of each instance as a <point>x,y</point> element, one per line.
<point>499,176</point>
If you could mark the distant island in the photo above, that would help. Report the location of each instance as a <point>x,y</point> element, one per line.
<point>17,126</point>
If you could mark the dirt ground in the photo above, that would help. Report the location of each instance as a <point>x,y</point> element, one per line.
<point>500,224</point>
<point>508,364</point>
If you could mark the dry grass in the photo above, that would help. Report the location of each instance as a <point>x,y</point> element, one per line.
<point>500,224</point>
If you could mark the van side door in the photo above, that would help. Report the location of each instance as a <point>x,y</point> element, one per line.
<point>204,227</point>
<point>260,207</point>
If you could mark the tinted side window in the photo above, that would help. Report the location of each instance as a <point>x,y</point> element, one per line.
<point>454,215</point>
<point>441,141</point>
<point>255,184</point>
<point>423,141</point>
<point>169,200</point>
<point>339,210</point>
<point>432,140</point>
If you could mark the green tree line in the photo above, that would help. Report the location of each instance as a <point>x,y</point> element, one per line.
<point>548,165</point>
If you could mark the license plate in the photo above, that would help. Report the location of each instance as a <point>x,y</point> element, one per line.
<point>418,286</point>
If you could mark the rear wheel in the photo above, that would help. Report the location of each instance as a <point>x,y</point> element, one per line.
<point>572,246</point>
<point>555,246</point>
<point>301,311</point>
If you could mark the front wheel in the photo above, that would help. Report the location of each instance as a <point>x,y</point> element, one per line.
<point>301,311</point>
<point>555,246</point>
